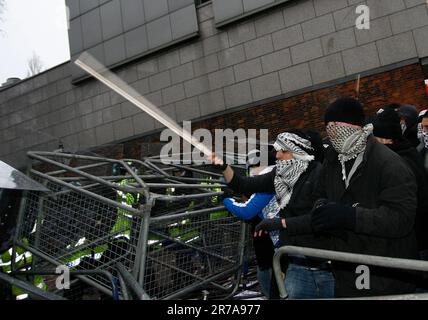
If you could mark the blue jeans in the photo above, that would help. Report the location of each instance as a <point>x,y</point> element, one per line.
<point>265,277</point>
<point>305,283</point>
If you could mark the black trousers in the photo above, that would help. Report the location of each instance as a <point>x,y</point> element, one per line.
<point>264,251</point>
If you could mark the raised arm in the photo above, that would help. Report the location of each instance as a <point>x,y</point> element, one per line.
<point>248,185</point>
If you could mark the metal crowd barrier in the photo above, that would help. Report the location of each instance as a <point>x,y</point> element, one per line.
<point>394,263</point>
<point>159,233</point>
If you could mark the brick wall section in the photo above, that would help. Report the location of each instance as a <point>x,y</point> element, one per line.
<point>403,85</point>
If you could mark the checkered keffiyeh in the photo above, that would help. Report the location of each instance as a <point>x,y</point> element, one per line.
<point>271,211</point>
<point>348,141</point>
<point>288,172</point>
<point>292,142</point>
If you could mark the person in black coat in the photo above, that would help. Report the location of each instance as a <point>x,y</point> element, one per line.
<point>388,132</point>
<point>368,195</point>
<point>408,117</point>
<point>293,181</point>
<point>300,200</point>
<point>409,123</point>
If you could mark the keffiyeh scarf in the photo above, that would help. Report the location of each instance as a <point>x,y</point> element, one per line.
<point>288,171</point>
<point>348,142</point>
<point>422,136</point>
<point>271,211</point>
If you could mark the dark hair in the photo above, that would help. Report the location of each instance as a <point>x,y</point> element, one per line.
<point>317,143</point>
<point>271,155</point>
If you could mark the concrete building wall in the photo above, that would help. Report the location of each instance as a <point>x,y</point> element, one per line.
<point>119,31</point>
<point>296,47</point>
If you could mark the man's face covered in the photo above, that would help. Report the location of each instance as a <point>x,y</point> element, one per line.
<point>343,137</point>
<point>348,141</point>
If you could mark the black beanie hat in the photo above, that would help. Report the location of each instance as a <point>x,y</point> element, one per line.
<point>387,125</point>
<point>346,110</point>
<point>409,113</point>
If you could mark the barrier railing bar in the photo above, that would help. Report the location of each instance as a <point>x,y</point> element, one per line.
<point>387,262</point>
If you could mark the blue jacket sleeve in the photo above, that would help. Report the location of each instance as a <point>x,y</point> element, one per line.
<point>251,208</point>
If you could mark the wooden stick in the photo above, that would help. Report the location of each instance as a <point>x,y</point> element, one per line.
<point>100,72</point>
<point>357,89</point>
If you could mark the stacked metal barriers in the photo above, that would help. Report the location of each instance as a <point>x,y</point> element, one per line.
<point>153,231</point>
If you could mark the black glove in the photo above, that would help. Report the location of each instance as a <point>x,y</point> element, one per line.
<point>333,216</point>
<point>220,167</point>
<point>269,225</point>
<point>319,203</point>
<point>227,193</point>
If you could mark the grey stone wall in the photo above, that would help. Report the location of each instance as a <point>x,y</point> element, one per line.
<point>117,31</point>
<point>227,11</point>
<point>291,47</point>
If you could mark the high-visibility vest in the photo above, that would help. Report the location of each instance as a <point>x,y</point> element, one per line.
<point>22,257</point>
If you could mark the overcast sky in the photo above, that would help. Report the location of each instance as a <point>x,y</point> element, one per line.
<point>29,26</point>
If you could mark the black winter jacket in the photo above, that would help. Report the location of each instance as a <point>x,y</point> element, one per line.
<point>384,190</point>
<point>424,154</point>
<point>415,163</point>
<point>297,211</point>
